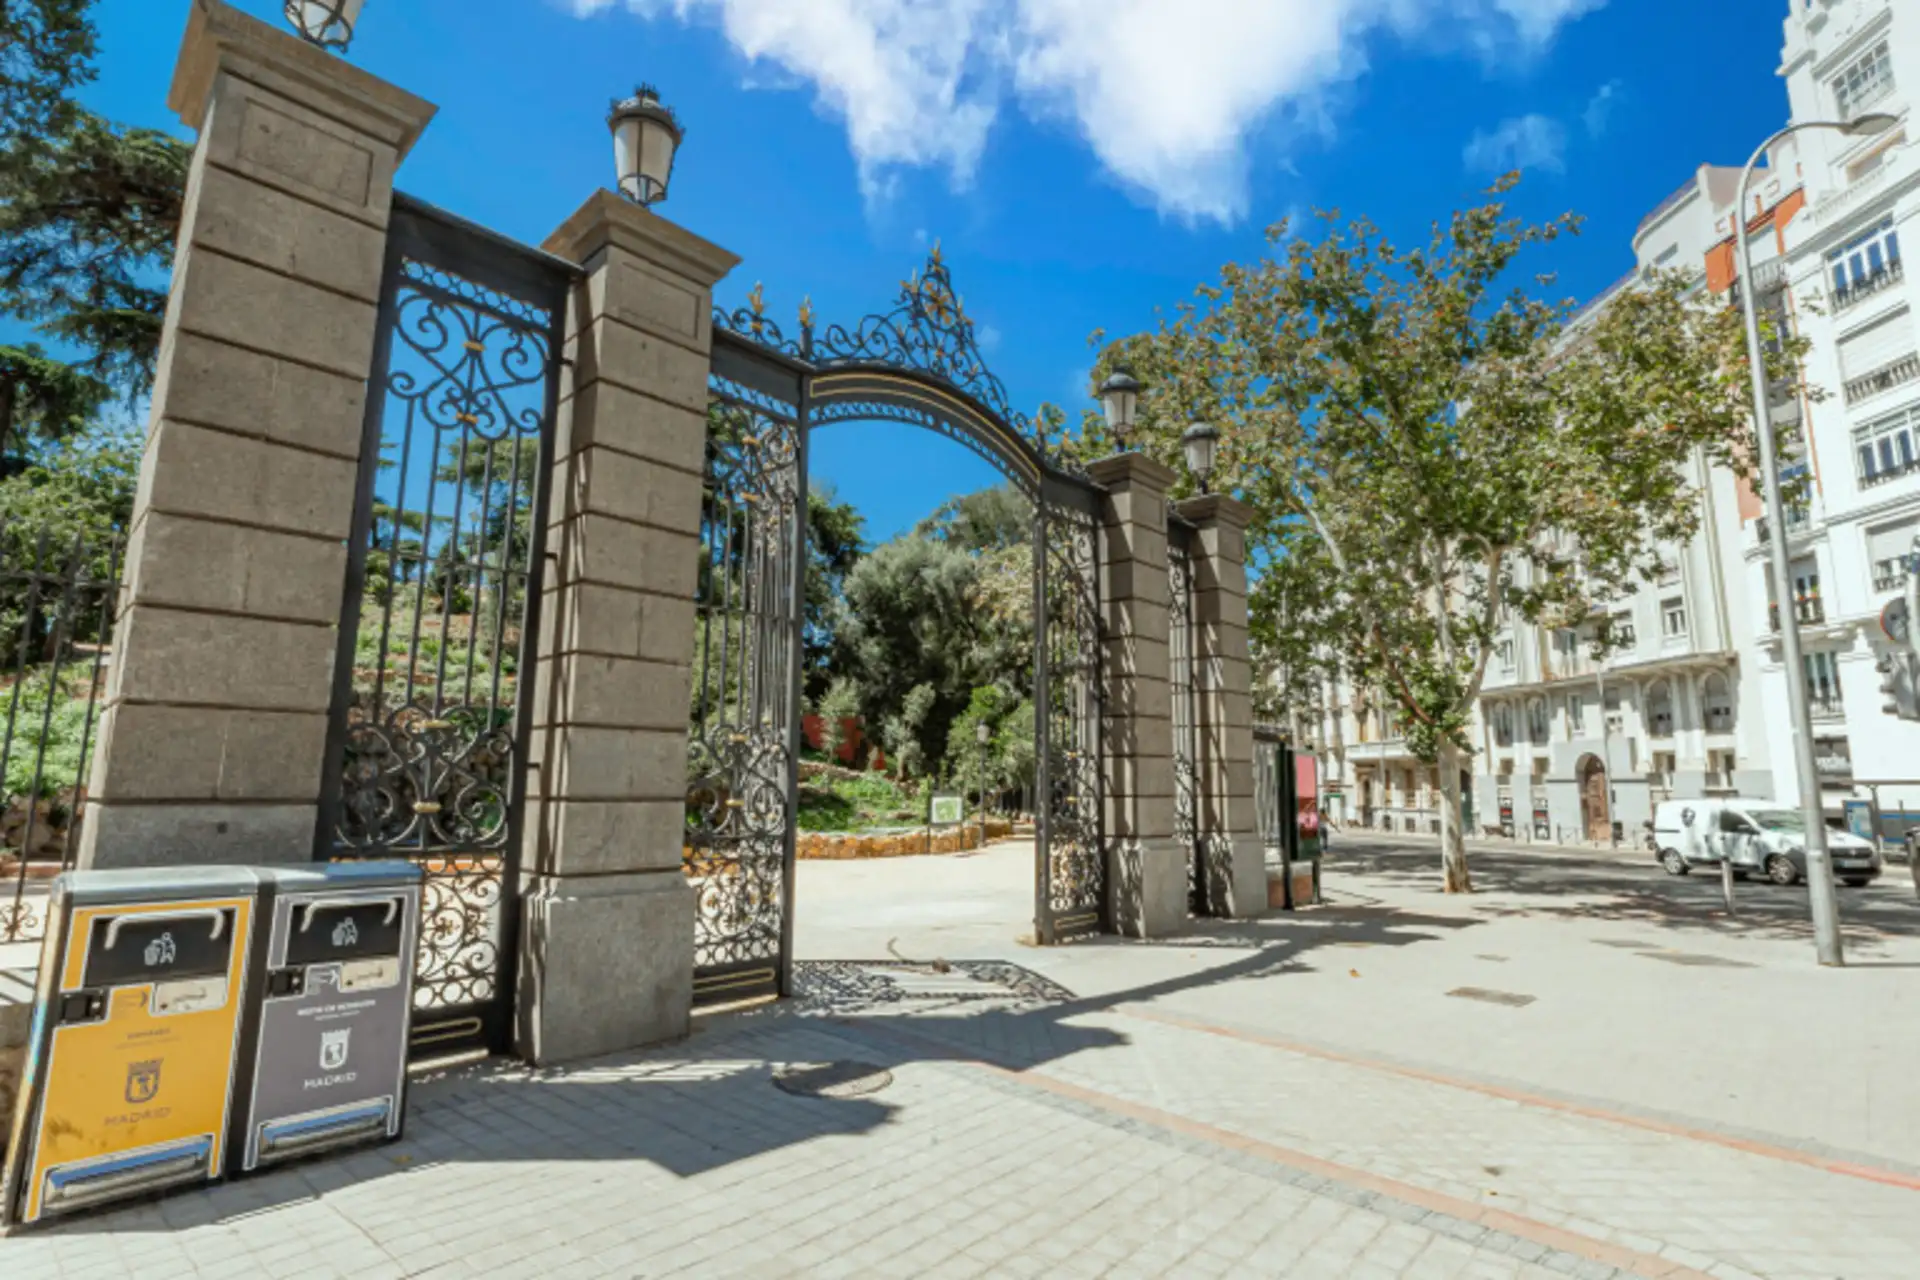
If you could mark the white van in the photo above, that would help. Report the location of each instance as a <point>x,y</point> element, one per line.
<point>1754,835</point>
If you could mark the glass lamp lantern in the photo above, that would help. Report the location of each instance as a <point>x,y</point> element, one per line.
<point>1199,443</point>
<point>1119,397</point>
<point>646,136</point>
<point>327,23</point>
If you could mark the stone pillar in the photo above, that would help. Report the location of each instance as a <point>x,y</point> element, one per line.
<point>1146,868</point>
<point>1223,689</point>
<point>607,948</point>
<point>215,723</point>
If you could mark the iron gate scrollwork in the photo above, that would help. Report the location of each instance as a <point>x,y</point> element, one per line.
<point>1186,720</point>
<point>743,724</point>
<point>917,363</point>
<point>426,751</point>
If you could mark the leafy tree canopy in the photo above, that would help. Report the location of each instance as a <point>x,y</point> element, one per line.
<point>1440,449</point>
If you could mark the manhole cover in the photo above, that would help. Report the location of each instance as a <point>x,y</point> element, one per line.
<point>832,1079</point>
<point>1492,997</point>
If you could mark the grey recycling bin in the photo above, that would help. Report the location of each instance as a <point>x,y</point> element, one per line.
<point>329,1063</point>
<point>137,1030</point>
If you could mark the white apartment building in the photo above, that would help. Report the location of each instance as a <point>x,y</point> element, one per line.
<point>1695,702</point>
<point>1850,296</point>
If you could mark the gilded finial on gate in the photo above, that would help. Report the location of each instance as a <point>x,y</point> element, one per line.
<point>806,312</point>
<point>757,308</point>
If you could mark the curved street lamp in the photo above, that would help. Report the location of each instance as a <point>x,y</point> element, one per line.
<point>327,23</point>
<point>1198,443</point>
<point>1119,397</point>
<point>646,137</point>
<point>1820,894</point>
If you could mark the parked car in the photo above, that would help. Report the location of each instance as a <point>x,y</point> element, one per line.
<point>1756,837</point>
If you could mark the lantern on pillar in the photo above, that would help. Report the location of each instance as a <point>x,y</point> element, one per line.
<point>646,135</point>
<point>327,23</point>
<point>1198,444</point>
<point>1119,396</point>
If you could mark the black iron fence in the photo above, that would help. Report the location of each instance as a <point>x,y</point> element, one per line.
<point>57,589</point>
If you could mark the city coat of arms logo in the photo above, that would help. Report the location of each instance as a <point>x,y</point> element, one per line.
<point>143,1080</point>
<point>333,1049</point>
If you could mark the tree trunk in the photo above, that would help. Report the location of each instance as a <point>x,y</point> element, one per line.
<point>1453,835</point>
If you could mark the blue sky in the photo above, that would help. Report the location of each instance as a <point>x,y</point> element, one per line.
<point>1081,163</point>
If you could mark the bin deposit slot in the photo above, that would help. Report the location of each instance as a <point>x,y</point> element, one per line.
<point>189,995</point>
<point>154,947</point>
<point>370,975</point>
<point>75,1186</point>
<point>302,1135</point>
<point>333,929</point>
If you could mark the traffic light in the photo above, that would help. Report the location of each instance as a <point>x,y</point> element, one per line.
<point>1898,685</point>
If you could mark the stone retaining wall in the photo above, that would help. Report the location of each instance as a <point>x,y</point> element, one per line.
<point>896,844</point>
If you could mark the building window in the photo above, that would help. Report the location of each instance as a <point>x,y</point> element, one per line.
<point>1503,725</point>
<point>1504,652</point>
<point>1661,777</point>
<point>1864,81</point>
<point>1807,604</point>
<point>1823,683</point>
<point>1717,697</point>
<point>1621,627</point>
<point>1660,710</point>
<point>1673,617</point>
<point>1884,447</point>
<point>1719,770</point>
<point>1833,761</point>
<point>1537,720</point>
<point>1576,714</point>
<point>1863,264</point>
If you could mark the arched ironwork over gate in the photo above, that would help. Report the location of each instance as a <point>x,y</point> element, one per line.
<point>917,364</point>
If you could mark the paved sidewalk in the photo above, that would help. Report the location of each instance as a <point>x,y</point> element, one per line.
<point>1633,1091</point>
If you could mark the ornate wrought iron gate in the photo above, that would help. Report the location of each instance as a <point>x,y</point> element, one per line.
<point>430,716</point>
<point>917,363</point>
<point>1186,721</point>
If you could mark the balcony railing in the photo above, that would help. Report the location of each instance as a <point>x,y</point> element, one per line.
<point>1883,474</point>
<point>1862,289</point>
<point>1891,574</point>
<point>1798,519</point>
<point>1809,610</point>
<point>1892,374</point>
<point>1826,706</point>
<point>1770,275</point>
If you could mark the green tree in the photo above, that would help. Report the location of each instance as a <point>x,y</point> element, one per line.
<point>835,543</point>
<point>89,210</point>
<point>1447,446</point>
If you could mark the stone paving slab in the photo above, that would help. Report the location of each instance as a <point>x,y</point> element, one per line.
<point>670,1164</point>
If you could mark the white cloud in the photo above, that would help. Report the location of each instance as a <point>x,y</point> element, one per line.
<point>1523,142</point>
<point>1165,92</point>
<point>1599,108</point>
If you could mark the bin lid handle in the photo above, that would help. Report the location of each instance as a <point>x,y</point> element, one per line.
<point>216,914</point>
<point>318,905</point>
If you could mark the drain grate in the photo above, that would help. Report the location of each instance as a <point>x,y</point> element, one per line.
<point>832,1079</point>
<point>1510,998</point>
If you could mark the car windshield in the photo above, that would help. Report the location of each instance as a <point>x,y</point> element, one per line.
<point>1778,820</point>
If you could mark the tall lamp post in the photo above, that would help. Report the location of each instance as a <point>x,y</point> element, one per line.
<point>1820,895</point>
<point>982,735</point>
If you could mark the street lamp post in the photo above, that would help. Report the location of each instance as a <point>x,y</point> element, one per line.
<point>1820,894</point>
<point>982,735</point>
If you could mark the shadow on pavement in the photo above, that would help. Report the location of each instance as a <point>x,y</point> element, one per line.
<point>1570,887</point>
<point>709,1102</point>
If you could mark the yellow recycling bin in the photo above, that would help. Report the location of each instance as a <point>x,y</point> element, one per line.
<point>136,1031</point>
